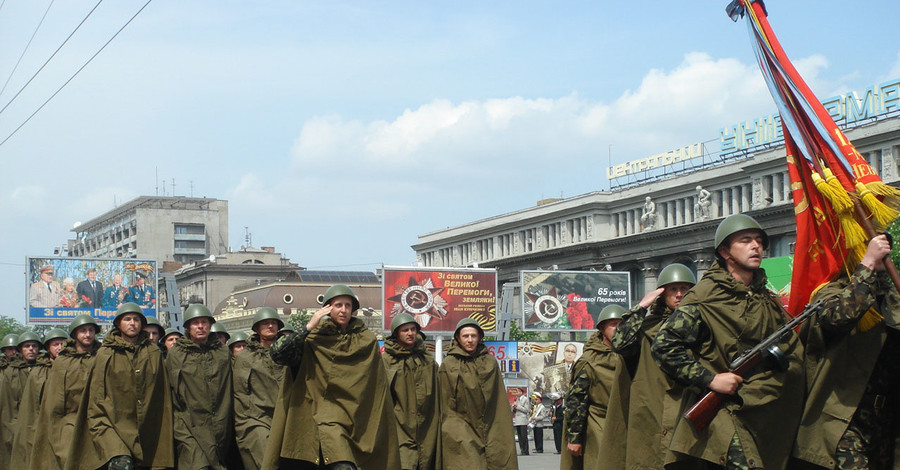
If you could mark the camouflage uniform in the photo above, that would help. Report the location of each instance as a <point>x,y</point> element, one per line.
<point>851,415</point>
<point>717,320</point>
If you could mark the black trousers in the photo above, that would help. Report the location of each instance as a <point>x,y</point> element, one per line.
<point>522,432</point>
<point>538,439</point>
<point>557,435</point>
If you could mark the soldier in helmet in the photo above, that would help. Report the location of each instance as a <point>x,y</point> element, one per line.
<point>639,401</point>
<point>257,380</point>
<point>62,396</point>
<point>199,368</point>
<point>412,377</point>
<point>728,311</point>
<point>588,396</point>
<point>170,338</point>
<point>32,395</point>
<point>852,413</point>
<point>237,343</point>
<point>12,386</point>
<point>154,330</point>
<point>8,346</point>
<point>476,420</point>
<point>125,416</point>
<point>339,380</point>
<point>219,332</point>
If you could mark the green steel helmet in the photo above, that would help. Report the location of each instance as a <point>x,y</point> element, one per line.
<point>610,312</point>
<point>28,336</point>
<point>171,331</point>
<point>54,334</point>
<point>402,319</point>
<point>196,311</point>
<point>468,322</point>
<point>266,313</point>
<point>129,307</point>
<point>735,223</point>
<point>9,341</point>
<point>219,328</point>
<point>153,321</point>
<point>287,329</point>
<point>81,320</point>
<point>237,337</point>
<point>676,272</point>
<point>339,290</point>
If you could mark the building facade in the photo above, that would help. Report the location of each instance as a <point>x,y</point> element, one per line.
<point>175,229</point>
<point>642,228</point>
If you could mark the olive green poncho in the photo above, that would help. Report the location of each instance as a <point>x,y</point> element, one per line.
<point>412,376</point>
<point>476,420</point>
<point>12,384</point>
<point>257,381</point>
<point>29,407</point>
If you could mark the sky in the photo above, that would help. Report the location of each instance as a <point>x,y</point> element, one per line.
<point>341,131</point>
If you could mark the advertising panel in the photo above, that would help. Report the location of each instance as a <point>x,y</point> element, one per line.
<point>58,289</point>
<point>570,300</point>
<point>439,298</point>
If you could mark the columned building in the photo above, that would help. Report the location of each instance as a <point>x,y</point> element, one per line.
<point>612,229</point>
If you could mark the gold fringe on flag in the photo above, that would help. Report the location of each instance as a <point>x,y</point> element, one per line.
<point>869,319</point>
<point>842,205</point>
<point>890,194</point>
<point>882,214</point>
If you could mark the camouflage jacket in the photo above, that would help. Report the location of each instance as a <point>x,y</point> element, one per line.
<point>627,340</point>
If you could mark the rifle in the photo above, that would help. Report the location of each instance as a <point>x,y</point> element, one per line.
<point>702,413</point>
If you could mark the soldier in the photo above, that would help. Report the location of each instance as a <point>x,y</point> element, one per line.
<point>237,343</point>
<point>728,311</point>
<point>8,346</point>
<point>125,416</point>
<point>170,338</point>
<point>154,330</point>
<point>588,396</point>
<point>32,395</point>
<point>412,376</point>
<point>199,368</point>
<point>141,293</point>
<point>852,415</point>
<point>641,398</point>
<point>220,333</point>
<point>339,380</point>
<point>12,386</point>
<point>475,413</point>
<point>257,380</point>
<point>64,387</point>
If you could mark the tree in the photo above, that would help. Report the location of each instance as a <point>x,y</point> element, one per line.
<point>10,325</point>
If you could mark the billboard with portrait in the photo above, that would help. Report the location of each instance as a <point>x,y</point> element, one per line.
<point>58,289</point>
<point>570,300</point>
<point>439,298</point>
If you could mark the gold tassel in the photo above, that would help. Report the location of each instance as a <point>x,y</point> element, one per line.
<point>869,320</point>
<point>836,195</point>
<point>890,194</point>
<point>882,214</point>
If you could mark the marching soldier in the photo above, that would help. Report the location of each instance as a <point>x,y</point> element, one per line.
<point>237,343</point>
<point>154,330</point>
<point>257,380</point>
<point>64,387</point>
<point>199,368</point>
<point>476,429</point>
<point>12,385</point>
<point>727,312</point>
<point>220,333</point>
<point>412,376</point>
<point>588,395</point>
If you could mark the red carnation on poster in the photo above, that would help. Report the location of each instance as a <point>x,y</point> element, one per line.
<point>577,313</point>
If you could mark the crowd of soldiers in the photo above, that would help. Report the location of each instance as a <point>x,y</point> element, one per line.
<point>324,396</point>
<point>826,397</point>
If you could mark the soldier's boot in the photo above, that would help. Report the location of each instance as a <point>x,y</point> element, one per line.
<point>121,462</point>
<point>341,466</point>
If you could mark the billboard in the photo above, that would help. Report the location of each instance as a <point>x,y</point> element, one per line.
<point>58,289</point>
<point>570,300</point>
<point>439,298</point>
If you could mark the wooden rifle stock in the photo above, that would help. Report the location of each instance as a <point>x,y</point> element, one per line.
<point>702,413</point>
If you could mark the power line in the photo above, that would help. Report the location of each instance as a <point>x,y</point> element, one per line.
<point>76,73</point>
<point>51,57</point>
<point>26,47</point>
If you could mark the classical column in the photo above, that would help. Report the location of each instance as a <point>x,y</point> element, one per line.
<point>703,260</point>
<point>650,270</point>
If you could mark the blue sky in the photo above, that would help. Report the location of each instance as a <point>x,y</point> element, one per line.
<point>339,131</point>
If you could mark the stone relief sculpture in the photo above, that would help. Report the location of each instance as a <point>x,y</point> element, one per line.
<point>704,201</point>
<point>648,219</point>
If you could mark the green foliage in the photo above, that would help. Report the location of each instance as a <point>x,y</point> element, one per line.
<point>516,334</point>
<point>894,230</point>
<point>299,319</point>
<point>10,325</point>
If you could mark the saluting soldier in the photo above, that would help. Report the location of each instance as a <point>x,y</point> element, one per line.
<point>62,396</point>
<point>412,376</point>
<point>476,421</point>
<point>199,368</point>
<point>588,397</point>
<point>727,312</point>
<point>257,380</point>
<point>125,416</point>
<point>852,413</point>
<point>336,412</point>
<point>640,399</point>
<point>32,395</point>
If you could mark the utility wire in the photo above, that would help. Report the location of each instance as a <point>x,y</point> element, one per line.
<point>26,47</point>
<point>76,73</point>
<point>51,56</point>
